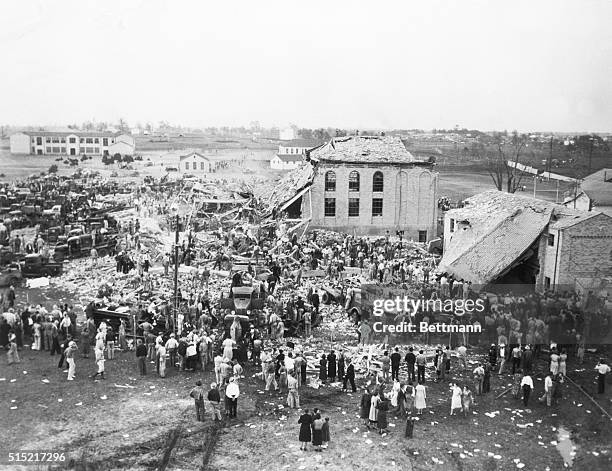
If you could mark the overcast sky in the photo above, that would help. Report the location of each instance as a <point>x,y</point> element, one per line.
<point>527,65</point>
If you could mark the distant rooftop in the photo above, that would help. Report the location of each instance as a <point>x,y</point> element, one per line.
<point>598,187</point>
<point>73,133</point>
<point>364,149</point>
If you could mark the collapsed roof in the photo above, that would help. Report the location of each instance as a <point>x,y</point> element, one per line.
<point>274,194</point>
<point>494,231</point>
<point>364,149</point>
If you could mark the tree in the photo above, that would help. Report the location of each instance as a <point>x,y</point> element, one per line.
<point>123,125</point>
<point>340,133</point>
<point>53,169</point>
<point>88,126</point>
<point>305,133</point>
<point>128,158</point>
<point>117,157</point>
<point>321,134</point>
<point>503,163</point>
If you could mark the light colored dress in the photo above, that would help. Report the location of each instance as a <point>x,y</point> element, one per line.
<point>554,363</point>
<point>563,364</point>
<point>419,397</point>
<point>374,408</point>
<point>228,349</point>
<point>456,398</point>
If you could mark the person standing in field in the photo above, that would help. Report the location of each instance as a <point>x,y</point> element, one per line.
<point>197,394</point>
<point>293,398</point>
<point>99,354</point>
<point>305,435</point>
<point>12,355</point>
<point>214,398</point>
<point>69,354</point>
<point>419,398</point>
<point>602,369</point>
<point>141,357</point>
<point>527,387</point>
<point>466,400</point>
<point>455,398</point>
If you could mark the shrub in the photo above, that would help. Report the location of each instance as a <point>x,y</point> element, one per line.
<point>53,169</point>
<point>2,175</point>
<point>83,158</point>
<point>128,158</point>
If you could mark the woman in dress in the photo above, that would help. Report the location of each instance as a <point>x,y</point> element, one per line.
<point>419,398</point>
<point>382,422</point>
<point>486,381</point>
<point>228,348</point>
<point>562,364</point>
<point>364,410</point>
<point>305,436</point>
<point>455,398</point>
<point>466,400</point>
<point>323,368</point>
<point>317,432</point>
<point>331,366</point>
<point>282,378</point>
<point>394,393</point>
<point>325,433</point>
<point>554,362</point>
<point>409,395</point>
<point>341,363</point>
<point>374,408</point>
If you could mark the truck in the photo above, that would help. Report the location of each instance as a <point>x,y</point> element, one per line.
<point>35,265</point>
<point>80,246</point>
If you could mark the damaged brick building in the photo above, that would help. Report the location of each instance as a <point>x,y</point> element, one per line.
<point>502,238</point>
<point>365,185</point>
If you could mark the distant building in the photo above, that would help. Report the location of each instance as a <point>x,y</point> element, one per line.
<point>594,194</point>
<point>194,162</point>
<point>363,185</point>
<point>72,143</point>
<point>287,134</point>
<point>297,146</point>
<point>503,238</point>
<point>292,153</point>
<point>286,161</point>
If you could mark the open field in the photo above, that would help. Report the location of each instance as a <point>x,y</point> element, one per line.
<point>456,182</point>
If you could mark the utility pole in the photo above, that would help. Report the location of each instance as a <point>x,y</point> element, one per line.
<point>176,265</point>
<point>592,139</point>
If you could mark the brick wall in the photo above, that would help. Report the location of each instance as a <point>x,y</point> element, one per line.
<point>585,251</point>
<point>410,196</point>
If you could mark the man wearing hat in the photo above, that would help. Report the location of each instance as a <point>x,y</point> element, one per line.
<point>198,395</point>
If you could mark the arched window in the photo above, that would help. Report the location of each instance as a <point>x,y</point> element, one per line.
<point>377,181</point>
<point>330,181</point>
<point>354,181</point>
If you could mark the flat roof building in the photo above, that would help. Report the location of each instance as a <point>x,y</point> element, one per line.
<point>71,143</point>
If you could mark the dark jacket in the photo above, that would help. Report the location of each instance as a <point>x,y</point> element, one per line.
<point>214,396</point>
<point>141,350</point>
